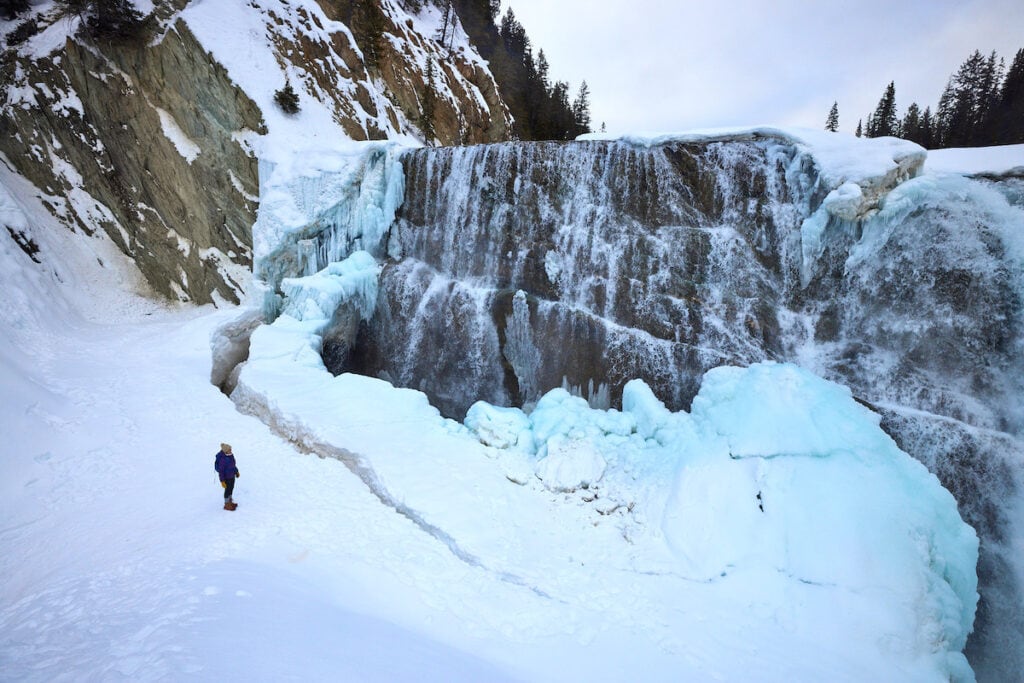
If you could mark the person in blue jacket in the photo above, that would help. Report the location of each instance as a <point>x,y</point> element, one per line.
<point>224,463</point>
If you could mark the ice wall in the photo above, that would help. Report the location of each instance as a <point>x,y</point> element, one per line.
<point>319,206</point>
<point>654,262</point>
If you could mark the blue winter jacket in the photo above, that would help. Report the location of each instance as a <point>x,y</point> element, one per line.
<point>225,466</point>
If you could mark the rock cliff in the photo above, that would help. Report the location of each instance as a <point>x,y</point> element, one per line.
<point>156,141</point>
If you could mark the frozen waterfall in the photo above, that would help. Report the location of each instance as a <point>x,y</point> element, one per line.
<point>509,270</point>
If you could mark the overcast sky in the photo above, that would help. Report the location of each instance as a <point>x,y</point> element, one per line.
<point>664,65</point>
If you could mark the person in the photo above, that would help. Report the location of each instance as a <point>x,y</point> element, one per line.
<point>224,463</point>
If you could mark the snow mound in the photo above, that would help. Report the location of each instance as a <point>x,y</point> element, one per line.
<point>776,471</point>
<point>499,427</point>
<point>1004,160</point>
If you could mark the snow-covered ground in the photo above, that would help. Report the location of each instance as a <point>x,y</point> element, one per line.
<point>773,534</point>
<point>1001,160</point>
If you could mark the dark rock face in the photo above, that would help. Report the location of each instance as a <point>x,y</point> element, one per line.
<point>94,140</point>
<point>632,262</point>
<point>530,266</point>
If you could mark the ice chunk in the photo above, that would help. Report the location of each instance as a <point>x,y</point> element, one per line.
<point>316,297</point>
<point>770,409</point>
<point>846,201</point>
<point>500,427</point>
<point>650,413</point>
<point>571,463</point>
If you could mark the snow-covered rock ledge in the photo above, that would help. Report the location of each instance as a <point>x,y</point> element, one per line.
<point>855,172</point>
<point>854,175</point>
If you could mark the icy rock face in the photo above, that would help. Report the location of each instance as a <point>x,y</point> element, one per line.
<point>317,210</point>
<point>141,144</point>
<point>628,262</point>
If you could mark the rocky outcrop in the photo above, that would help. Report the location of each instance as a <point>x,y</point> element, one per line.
<point>156,141</point>
<point>370,68</point>
<point>144,142</point>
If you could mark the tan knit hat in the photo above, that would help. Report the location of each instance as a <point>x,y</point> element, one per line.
<point>226,447</point>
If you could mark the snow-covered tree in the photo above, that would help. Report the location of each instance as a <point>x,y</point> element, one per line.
<point>832,122</point>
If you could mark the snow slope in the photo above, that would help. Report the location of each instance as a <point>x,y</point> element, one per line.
<point>117,561</point>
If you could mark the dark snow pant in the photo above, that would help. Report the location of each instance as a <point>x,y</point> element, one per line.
<point>229,488</point>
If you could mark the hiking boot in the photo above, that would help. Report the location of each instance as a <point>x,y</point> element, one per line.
<point>228,505</point>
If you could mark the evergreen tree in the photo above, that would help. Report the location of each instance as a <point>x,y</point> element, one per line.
<point>538,98</point>
<point>524,81</point>
<point>860,128</point>
<point>988,99</point>
<point>287,99</point>
<point>446,31</point>
<point>910,126</point>
<point>542,71</point>
<point>883,121</point>
<point>427,102</point>
<point>927,129</point>
<point>832,122</point>
<point>514,35</point>
<point>581,109</point>
<point>944,116</point>
<point>107,19</point>
<point>966,101</point>
<point>1008,119</point>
